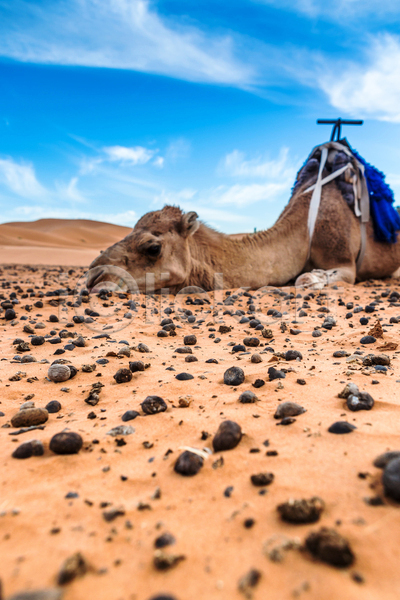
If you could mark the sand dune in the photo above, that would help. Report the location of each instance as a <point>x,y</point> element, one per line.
<point>57,241</point>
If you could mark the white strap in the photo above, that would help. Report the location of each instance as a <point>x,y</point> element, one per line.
<point>315,200</point>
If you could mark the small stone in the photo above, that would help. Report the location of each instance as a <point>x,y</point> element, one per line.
<point>288,409</point>
<point>37,340</point>
<point>227,437</point>
<point>330,547</point>
<point>391,479</point>
<point>248,582</point>
<point>234,376</point>
<point>29,417</point>
<point>74,566</point>
<point>164,561</point>
<point>316,333</point>
<point>301,511</point>
<point>252,342</point>
<point>136,366</point>
<point>341,354</point>
<point>383,459</point>
<point>129,415</point>
<point>66,442</point>
<point>88,368</point>
<point>143,348</point>
<point>293,355</point>
<point>163,540</point>
<point>121,430</point>
<point>368,339</point>
<point>248,397</point>
<point>45,594</point>
<point>112,513</point>
<point>183,350</point>
<point>123,375</point>
<point>262,479</point>
<point>362,402</point>
<point>28,449</point>
<point>58,373</point>
<point>256,358</point>
<point>341,427</point>
<point>350,389</point>
<point>9,315</point>
<point>301,381</point>
<point>184,377</point>
<point>53,406</point>
<point>153,404</point>
<point>188,463</point>
<point>275,374</point>
<point>190,340</point>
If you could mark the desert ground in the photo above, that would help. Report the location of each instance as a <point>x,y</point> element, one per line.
<point>122,516</point>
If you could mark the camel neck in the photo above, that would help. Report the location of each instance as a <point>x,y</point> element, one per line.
<point>270,257</point>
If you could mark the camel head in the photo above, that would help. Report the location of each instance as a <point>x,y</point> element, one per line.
<point>157,247</point>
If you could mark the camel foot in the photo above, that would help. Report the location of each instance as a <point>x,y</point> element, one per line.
<point>318,278</point>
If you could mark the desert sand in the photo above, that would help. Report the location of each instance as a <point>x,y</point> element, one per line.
<point>112,500</point>
<point>57,241</point>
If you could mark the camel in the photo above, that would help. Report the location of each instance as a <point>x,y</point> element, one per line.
<point>177,250</point>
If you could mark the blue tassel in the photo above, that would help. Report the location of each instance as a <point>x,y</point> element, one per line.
<point>385,217</point>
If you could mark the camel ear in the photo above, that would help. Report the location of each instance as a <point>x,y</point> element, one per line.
<point>189,223</point>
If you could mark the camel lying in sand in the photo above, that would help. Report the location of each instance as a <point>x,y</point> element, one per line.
<point>179,250</point>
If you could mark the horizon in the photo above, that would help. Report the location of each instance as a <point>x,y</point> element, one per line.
<point>113,109</point>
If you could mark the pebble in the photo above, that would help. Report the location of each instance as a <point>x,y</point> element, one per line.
<point>28,449</point>
<point>184,376</point>
<point>234,376</point>
<point>341,354</point>
<point>164,561</point>
<point>256,358</point>
<point>163,540</point>
<point>188,463</point>
<point>275,374</point>
<point>9,315</point>
<point>262,479</point>
<point>29,417</point>
<point>190,340</point>
<point>301,511</point>
<point>238,348</point>
<point>383,459</point>
<point>391,479</point>
<point>37,340</point>
<point>44,594</point>
<point>341,427</point>
<point>183,350</point>
<point>136,366</point>
<point>73,567</point>
<point>330,547</point>
<point>288,409</point>
<point>252,342</point>
<point>368,339</point>
<point>53,406</point>
<point>363,401</point>
<point>350,389</point>
<point>227,437</point>
<point>129,415</point>
<point>58,373</point>
<point>123,375</point>
<point>153,404</point>
<point>121,430</point>
<point>293,355</point>
<point>248,397</point>
<point>66,442</point>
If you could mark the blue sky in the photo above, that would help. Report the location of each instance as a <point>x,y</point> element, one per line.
<point>111,108</point>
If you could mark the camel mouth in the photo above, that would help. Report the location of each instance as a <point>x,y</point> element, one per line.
<point>105,280</point>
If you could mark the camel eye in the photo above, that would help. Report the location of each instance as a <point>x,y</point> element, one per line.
<point>153,250</point>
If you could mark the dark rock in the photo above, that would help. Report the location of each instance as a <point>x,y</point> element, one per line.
<point>9,315</point>
<point>239,348</point>
<point>275,374</point>
<point>330,547</point>
<point>37,340</point>
<point>183,350</point>
<point>227,437</point>
<point>190,340</point>
<point>74,566</point>
<point>188,463</point>
<point>376,359</point>
<point>288,409</point>
<point>28,449</point>
<point>341,427</point>
<point>66,442</point>
<point>163,561</point>
<point>391,479</point>
<point>190,358</point>
<point>163,540</point>
<point>293,355</point>
<point>368,339</point>
<point>53,406</point>
<point>258,383</point>
<point>252,342</point>
<point>111,514</point>
<point>351,389</point>
<point>301,511</point>
<point>248,397</point>
<point>287,421</point>
<point>123,375</point>
<point>341,354</point>
<point>184,376</point>
<point>58,373</point>
<point>29,417</point>
<point>383,459</point>
<point>234,376</point>
<point>129,415</point>
<point>136,366</point>
<point>262,479</point>
<point>362,402</point>
<point>153,404</point>
<point>44,594</point>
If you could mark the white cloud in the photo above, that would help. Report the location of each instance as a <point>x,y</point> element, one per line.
<point>236,165</point>
<point>243,195</point>
<point>20,179</point>
<point>134,156</point>
<point>337,9</point>
<point>372,90</point>
<point>127,218</point>
<point>120,34</point>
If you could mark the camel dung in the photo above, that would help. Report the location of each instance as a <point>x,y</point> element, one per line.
<point>123,375</point>
<point>28,449</point>
<point>262,479</point>
<point>153,405</point>
<point>330,547</point>
<point>66,442</point>
<point>188,463</point>
<point>301,511</point>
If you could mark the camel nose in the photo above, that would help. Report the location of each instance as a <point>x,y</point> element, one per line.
<point>93,276</point>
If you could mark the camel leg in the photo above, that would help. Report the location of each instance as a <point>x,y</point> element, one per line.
<point>318,278</point>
